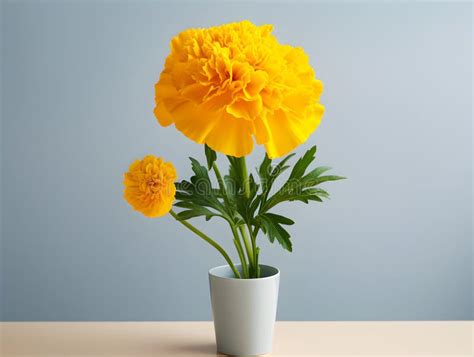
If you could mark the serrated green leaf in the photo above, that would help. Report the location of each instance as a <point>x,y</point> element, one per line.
<point>264,172</point>
<point>198,196</point>
<point>322,179</point>
<point>268,174</point>
<point>280,167</point>
<point>318,171</point>
<point>306,195</point>
<point>280,219</point>
<point>196,212</point>
<point>200,172</point>
<point>299,187</point>
<point>302,164</point>
<point>273,229</point>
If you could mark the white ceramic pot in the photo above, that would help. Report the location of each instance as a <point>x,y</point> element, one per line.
<point>244,310</point>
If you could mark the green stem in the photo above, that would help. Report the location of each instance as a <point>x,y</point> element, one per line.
<point>255,234</point>
<point>245,176</point>
<point>248,248</point>
<point>256,250</point>
<point>250,245</point>
<point>254,246</point>
<point>208,240</point>
<point>240,251</point>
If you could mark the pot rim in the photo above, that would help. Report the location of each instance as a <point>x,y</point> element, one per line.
<point>273,276</point>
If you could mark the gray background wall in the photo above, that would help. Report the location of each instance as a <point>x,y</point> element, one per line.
<point>395,241</point>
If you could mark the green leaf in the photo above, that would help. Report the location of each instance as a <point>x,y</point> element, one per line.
<point>210,156</point>
<point>245,207</point>
<point>200,172</point>
<point>197,211</point>
<point>271,225</point>
<point>314,178</point>
<point>235,172</point>
<point>318,171</point>
<point>264,172</point>
<point>184,186</point>
<point>302,164</point>
<point>281,166</point>
<point>306,195</point>
<point>322,179</point>
<point>300,187</point>
<point>184,204</point>
<point>269,174</point>
<point>198,196</point>
<point>280,219</point>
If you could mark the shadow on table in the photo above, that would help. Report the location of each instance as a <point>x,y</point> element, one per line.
<point>193,349</point>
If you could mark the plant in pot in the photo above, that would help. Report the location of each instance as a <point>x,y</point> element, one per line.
<point>224,87</point>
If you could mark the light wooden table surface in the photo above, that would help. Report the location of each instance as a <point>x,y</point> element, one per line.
<point>188,339</point>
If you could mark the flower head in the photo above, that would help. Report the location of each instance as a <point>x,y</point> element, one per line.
<point>149,186</point>
<point>228,85</point>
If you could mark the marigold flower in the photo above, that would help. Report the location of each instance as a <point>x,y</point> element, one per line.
<point>225,85</point>
<point>149,186</point>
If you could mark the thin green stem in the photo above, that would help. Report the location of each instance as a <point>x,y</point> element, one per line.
<point>256,250</point>
<point>221,183</point>
<point>208,240</point>
<point>240,251</point>
<point>254,244</point>
<point>258,258</point>
<point>255,234</point>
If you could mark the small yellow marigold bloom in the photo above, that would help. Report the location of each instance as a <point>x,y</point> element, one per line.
<point>228,85</point>
<point>149,186</point>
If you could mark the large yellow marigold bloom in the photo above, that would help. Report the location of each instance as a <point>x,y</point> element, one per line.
<point>149,186</point>
<point>226,85</point>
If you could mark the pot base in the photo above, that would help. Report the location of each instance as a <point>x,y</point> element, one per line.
<point>260,355</point>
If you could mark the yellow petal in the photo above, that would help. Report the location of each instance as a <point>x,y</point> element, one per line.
<point>256,84</point>
<point>162,114</point>
<point>246,109</point>
<point>194,123</point>
<point>261,130</point>
<point>288,131</point>
<point>195,92</point>
<point>165,87</point>
<point>231,136</point>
